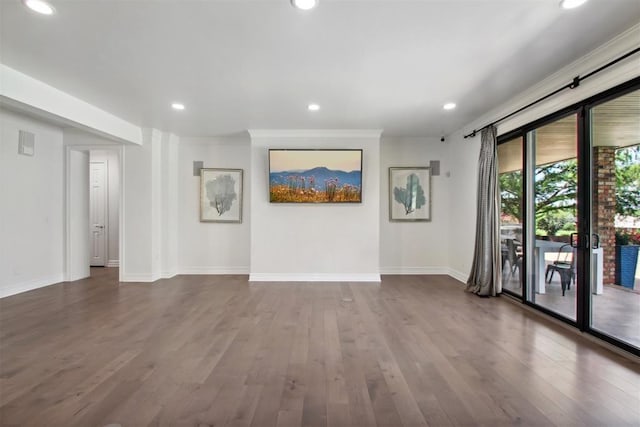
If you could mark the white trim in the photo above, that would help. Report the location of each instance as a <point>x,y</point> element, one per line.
<point>313,277</point>
<point>414,270</point>
<point>121,218</point>
<point>233,140</point>
<point>24,93</point>
<point>315,133</point>
<point>214,270</point>
<point>18,288</point>
<point>113,263</point>
<point>458,275</point>
<point>167,274</point>
<point>105,204</point>
<point>138,277</point>
<point>119,149</point>
<point>66,271</point>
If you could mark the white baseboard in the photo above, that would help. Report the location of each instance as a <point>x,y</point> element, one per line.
<point>458,275</point>
<point>167,274</point>
<point>214,270</point>
<point>113,263</point>
<point>29,285</point>
<point>139,277</point>
<point>414,270</point>
<point>147,278</point>
<point>313,277</point>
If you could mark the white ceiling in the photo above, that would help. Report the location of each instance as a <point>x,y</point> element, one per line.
<point>242,64</point>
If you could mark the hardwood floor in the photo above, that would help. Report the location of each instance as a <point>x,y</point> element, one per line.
<point>215,351</point>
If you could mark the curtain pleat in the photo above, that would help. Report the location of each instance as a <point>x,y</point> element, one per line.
<point>485,278</point>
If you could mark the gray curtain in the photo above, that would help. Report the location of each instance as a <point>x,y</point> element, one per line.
<point>486,275</point>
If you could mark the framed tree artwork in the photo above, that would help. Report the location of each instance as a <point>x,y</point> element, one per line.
<point>410,193</point>
<point>220,195</point>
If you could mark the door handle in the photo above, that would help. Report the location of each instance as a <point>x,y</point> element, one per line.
<point>595,241</point>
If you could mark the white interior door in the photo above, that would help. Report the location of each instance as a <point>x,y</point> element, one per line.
<point>98,213</point>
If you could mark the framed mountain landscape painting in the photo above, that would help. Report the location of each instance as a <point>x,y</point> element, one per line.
<point>315,176</point>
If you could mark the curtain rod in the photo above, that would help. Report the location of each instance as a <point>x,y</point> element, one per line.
<point>574,84</point>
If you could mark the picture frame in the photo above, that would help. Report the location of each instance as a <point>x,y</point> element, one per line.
<point>410,193</point>
<point>315,176</point>
<point>221,193</point>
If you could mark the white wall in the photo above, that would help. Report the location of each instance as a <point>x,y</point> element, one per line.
<point>169,205</point>
<point>148,228</point>
<point>31,206</point>
<point>135,261</point>
<point>415,247</point>
<point>78,205</point>
<point>113,202</point>
<point>207,247</point>
<point>462,203</point>
<point>325,242</point>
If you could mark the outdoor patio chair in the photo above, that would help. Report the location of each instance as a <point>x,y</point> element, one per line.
<point>564,265</point>
<point>514,257</point>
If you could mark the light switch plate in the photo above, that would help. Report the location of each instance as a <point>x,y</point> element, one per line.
<point>196,167</point>
<point>26,143</point>
<point>435,167</point>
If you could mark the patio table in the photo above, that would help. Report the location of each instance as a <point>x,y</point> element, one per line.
<point>544,246</point>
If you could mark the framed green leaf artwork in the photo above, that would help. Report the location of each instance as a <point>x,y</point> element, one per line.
<point>410,194</point>
<point>220,195</point>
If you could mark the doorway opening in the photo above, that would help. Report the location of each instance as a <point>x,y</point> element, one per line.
<point>93,210</point>
<point>104,193</point>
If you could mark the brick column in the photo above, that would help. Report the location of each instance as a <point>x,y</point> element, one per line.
<point>604,207</point>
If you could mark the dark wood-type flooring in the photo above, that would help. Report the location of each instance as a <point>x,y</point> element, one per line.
<point>218,351</point>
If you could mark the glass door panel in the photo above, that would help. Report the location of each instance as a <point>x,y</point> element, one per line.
<point>615,213</point>
<point>511,204</point>
<point>552,206</point>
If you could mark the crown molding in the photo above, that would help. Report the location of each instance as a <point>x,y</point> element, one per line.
<point>315,133</point>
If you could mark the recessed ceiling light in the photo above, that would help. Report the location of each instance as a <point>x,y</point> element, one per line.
<point>449,106</point>
<point>304,4</point>
<point>177,106</point>
<point>39,6</point>
<point>313,107</point>
<point>570,4</point>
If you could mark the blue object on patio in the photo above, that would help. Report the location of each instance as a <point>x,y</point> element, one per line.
<point>626,262</point>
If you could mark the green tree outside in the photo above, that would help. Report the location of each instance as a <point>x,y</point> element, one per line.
<point>555,192</point>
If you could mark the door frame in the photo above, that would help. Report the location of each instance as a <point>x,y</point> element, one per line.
<point>119,150</point>
<point>105,206</point>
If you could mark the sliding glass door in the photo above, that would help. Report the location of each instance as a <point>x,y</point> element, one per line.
<point>570,215</point>
<point>615,218</point>
<point>552,212</point>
